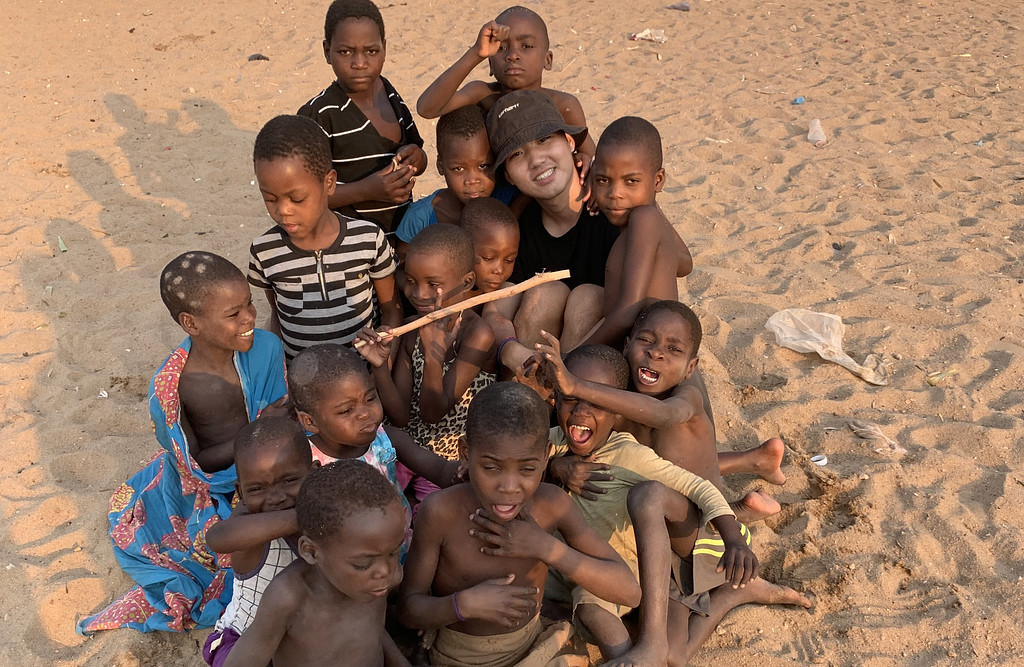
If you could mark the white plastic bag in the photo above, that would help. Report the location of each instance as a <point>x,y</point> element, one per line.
<point>807,331</point>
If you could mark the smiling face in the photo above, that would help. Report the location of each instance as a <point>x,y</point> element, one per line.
<point>356,54</point>
<point>467,165</point>
<point>522,58</point>
<point>295,198</point>
<point>428,272</point>
<point>585,425</point>
<point>349,413</point>
<point>496,247</point>
<point>227,318</point>
<point>623,178</point>
<point>505,473</point>
<point>659,352</point>
<point>543,168</point>
<point>360,560</point>
<point>270,475</point>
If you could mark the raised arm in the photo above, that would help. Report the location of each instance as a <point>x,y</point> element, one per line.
<point>441,391</point>
<point>394,385</point>
<point>443,94</point>
<point>685,402</point>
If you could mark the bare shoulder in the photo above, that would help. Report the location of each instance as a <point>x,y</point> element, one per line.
<point>479,92</point>
<point>550,504</point>
<point>648,217</point>
<point>568,105</point>
<point>440,510</point>
<point>289,590</point>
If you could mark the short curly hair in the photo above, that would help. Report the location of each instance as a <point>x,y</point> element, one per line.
<point>313,372</point>
<point>636,133</point>
<point>507,410</point>
<point>463,123</point>
<point>449,241</point>
<point>485,212</point>
<point>341,10</point>
<point>272,430</point>
<point>188,279</point>
<point>603,354</point>
<point>299,137</point>
<point>331,494</point>
<point>680,309</point>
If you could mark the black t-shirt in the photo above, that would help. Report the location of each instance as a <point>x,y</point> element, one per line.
<point>583,249</point>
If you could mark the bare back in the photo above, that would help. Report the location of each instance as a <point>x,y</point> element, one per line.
<point>618,268</point>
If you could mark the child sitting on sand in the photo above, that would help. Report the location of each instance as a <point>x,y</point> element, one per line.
<point>482,550</point>
<point>376,148</point>
<point>666,529</point>
<point>272,458</point>
<point>626,176</point>
<point>321,271</point>
<point>441,366</point>
<point>224,375</point>
<point>329,606</point>
<point>516,46</point>
<point>586,431</point>
<point>337,403</point>
<point>466,161</point>
<point>667,407</point>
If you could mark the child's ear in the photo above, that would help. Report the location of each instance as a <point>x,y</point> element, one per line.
<point>659,179</point>
<point>548,59</point>
<point>316,464</point>
<point>307,549</point>
<point>691,367</point>
<point>469,279</point>
<point>331,182</point>
<point>327,50</point>
<point>188,323</point>
<point>307,422</point>
<point>238,491</point>
<point>463,449</point>
<point>440,169</point>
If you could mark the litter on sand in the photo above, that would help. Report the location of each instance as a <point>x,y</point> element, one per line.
<point>872,432</point>
<point>807,331</point>
<point>935,379</point>
<point>648,35</point>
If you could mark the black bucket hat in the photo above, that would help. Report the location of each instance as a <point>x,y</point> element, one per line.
<point>523,116</point>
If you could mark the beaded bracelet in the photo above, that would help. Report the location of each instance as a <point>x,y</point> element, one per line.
<point>455,606</point>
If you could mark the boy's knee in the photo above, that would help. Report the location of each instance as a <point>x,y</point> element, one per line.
<point>647,498</point>
<point>585,299</point>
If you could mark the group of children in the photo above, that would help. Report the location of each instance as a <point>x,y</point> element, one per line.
<point>420,449</point>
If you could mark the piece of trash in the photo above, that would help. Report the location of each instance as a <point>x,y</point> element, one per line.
<point>869,431</point>
<point>9,566</point>
<point>935,379</point>
<point>48,290</point>
<point>981,142</point>
<point>807,331</point>
<point>42,326</point>
<point>258,56</point>
<point>681,6</point>
<point>657,36</point>
<point>816,134</point>
<point>61,245</point>
<point>238,78</point>
<point>102,394</point>
<point>819,460</point>
<point>798,100</point>
<point>830,428</point>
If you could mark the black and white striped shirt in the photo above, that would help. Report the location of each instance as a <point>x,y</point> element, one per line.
<point>358,150</point>
<point>322,296</point>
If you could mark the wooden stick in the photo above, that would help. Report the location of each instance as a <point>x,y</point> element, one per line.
<point>480,299</point>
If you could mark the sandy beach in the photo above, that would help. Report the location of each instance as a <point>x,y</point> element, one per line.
<point>128,139</point>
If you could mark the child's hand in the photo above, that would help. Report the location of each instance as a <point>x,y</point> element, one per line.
<point>377,347</point>
<point>282,407</point>
<point>554,369</point>
<point>393,183</point>
<point>411,155</point>
<point>498,601</point>
<point>519,538</point>
<point>738,562</point>
<point>579,475</point>
<point>490,38</point>
<point>439,336</point>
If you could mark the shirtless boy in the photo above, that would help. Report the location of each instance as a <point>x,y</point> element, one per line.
<point>667,408</point>
<point>481,551</point>
<point>516,47</point>
<point>626,176</point>
<point>210,299</point>
<point>328,607</point>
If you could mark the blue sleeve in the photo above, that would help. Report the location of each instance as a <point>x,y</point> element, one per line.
<point>418,216</point>
<point>505,193</point>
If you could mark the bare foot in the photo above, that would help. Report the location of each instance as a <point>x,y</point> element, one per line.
<point>764,592</point>
<point>644,654</point>
<point>768,465</point>
<point>755,506</point>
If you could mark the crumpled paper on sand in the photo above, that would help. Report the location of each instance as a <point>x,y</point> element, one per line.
<point>807,331</point>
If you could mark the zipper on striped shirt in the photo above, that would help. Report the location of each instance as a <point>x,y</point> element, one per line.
<point>319,254</point>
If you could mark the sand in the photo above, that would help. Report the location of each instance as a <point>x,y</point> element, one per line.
<point>128,133</point>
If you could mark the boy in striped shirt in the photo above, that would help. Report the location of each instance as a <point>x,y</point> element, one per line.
<point>326,276</point>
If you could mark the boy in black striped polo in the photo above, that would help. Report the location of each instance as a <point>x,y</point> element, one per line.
<point>326,276</point>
